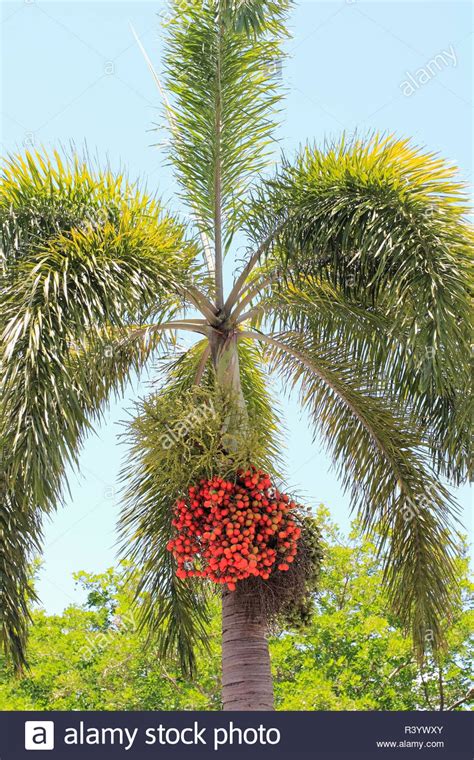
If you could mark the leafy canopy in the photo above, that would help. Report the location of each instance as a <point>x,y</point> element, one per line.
<point>354,291</point>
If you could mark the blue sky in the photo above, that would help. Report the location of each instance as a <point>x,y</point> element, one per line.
<point>72,71</point>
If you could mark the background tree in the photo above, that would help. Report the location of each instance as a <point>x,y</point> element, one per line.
<point>351,654</point>
<point>354,291</point>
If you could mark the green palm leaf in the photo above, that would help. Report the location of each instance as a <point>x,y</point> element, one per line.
<point>364,335</point>
<point>83,258</point>
<point>20,538</point>
<point>223,103</point>
<point>381,466</point>
<point>385,226</point>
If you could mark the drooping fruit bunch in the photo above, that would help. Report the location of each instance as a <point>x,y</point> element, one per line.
<point>228,531</point>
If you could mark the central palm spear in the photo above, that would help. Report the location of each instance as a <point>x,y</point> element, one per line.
<point>353,290</point>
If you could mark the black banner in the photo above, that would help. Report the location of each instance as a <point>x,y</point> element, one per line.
<point>280,735</point>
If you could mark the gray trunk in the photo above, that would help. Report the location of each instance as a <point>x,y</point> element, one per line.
<point>246,675</point>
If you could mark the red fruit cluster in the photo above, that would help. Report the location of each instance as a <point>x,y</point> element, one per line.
<point>229,531</point>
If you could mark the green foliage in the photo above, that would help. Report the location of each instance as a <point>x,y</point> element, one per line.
<point>93,657</point>
<point>82,258</point>
<point>224,97</point>
<point>368,244</point>
<point>392,489</point>
<point>351,656</point>
<point>178,439</point>
<point>179,374</point>
<point>354,656</point>
<point>385,224</point>
<point>255,16</point>
<point>20,536</point>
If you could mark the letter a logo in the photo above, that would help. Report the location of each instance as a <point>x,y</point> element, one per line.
<point>39,734</point>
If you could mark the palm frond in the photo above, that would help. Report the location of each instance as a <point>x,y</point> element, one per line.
<point>173,612</point>
<point>83,257</point>
<point>364,335</point>
<point>390,484</point>
<point>20,539</point>
<point>385,225</point>
<point>81,254</point>
<point>256,16</point>
<point>219,63</point>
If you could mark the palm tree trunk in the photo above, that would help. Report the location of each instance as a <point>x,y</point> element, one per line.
<point>246,674</point>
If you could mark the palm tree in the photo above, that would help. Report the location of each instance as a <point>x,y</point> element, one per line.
<point>353,291</point>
